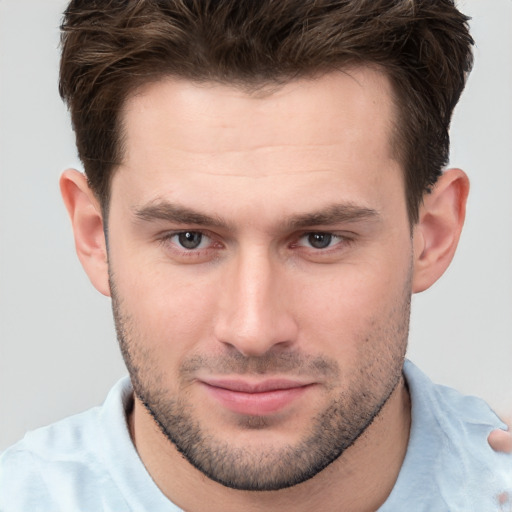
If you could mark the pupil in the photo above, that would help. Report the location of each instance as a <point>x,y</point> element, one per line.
<point>190,239</point>
<point>319,240</point>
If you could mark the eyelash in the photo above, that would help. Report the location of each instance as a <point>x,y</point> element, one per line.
<point>343,241</point>
<point>166,239</point>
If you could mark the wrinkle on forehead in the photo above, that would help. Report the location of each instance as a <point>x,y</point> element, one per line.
<point>221,117</point>
<point>262,175</point>
<point>204,171</point>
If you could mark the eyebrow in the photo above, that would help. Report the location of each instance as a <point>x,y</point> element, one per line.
<point>164,210</point>
<point>328,216</point>
<point>333,214</point>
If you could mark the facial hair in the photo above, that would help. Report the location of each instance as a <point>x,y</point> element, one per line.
<point>333,430</point>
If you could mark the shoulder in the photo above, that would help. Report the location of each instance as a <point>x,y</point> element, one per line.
<point>449,414</point>
<point>45,459</point>
<point>448,454</point>
<point>56,441</point>
<point>51,466</point>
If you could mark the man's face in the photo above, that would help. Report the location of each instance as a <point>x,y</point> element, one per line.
<point>260,265</point>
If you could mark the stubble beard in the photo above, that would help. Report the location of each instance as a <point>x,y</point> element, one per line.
<point>332,430</point>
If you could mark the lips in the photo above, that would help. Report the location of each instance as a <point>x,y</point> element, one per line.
<point>255,398</point>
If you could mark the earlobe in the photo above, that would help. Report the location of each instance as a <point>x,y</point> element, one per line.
<point>438,230</point>
<point>87,221</point>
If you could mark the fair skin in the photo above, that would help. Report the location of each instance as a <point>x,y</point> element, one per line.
<point>282,316</point>
<point>501,440</point>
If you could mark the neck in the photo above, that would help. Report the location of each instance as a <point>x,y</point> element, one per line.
<point>359,480</point>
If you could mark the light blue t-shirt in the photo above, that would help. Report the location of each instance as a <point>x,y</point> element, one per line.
<point>88,463</point>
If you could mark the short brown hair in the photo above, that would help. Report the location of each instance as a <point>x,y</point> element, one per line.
<point>111,47</point>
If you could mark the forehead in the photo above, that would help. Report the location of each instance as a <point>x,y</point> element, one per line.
<point>306,135</point>
<point>304,111</point>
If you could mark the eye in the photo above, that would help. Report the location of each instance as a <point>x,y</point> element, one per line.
<point>320,240</point>
<point>190,240</point>
<point>191,246</point>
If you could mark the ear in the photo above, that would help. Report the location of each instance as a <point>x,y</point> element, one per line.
<point>437,233</point>
<point>87,222</point>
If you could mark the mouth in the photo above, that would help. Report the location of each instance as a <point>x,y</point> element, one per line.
<point>255,398</point>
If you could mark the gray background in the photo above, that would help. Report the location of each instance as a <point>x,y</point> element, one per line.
<point>58,353</point>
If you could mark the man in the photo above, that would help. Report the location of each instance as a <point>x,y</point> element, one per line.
<point>263,194</point>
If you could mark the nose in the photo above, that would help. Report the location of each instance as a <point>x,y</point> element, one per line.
<point>254,309</point>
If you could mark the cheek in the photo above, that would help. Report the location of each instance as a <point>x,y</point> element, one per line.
<point>170,309</point>
<point>354,306</point>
